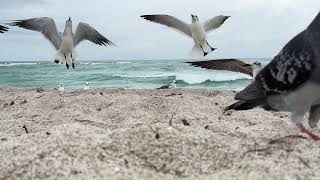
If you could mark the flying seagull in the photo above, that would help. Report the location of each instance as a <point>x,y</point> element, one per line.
<point>3,29</point>
<point>234,65</point>
<point>169,86</point>
<point>290,82</point>
<point>196,30</point>
<point>66,42</point>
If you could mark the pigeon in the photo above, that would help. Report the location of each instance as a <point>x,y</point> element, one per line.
<point>290,82</point>
<point>3,29</point>
<point>196,30</point>
<point>66,42</point>
<point>234,65</point>
<point>169,86</point>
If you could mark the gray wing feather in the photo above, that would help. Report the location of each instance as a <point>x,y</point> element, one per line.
<point>234,65</point>
<point>86,32</point>
<point>3,29</point>
<point>44,25</point>
<point>215,23</point>
<point>169,21</point>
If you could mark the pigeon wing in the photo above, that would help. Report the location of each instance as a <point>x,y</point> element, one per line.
<point>234,65</point>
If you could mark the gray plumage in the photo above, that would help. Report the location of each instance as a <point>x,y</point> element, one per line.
<point>234,65</point>
<point>3,29</point>
<point>291,81</point>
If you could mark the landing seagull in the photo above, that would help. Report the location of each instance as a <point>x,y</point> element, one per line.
<point>3,29</point>
<point>66,42</point>
<point>234,65</point>
<point>196,30</point>
<point>290,82</point>
<point>169,86</point>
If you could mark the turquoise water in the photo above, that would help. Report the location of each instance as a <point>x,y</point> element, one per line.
<point>138,74</point>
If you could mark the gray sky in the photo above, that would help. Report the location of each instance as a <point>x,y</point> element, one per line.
<point>257,28</point>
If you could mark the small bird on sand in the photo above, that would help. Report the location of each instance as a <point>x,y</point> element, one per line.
<point>169,86</point>
<point>290,82</point>
<point>66,42</point>
<point>61,87</point>
<point>196,30</point>
<point>234,65</point>
<point>86,86</point>
<point>3,29</point>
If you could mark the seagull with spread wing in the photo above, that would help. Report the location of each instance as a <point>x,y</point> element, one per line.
<point>234,65</point>
<point>290,82</point>
<point>66,42</point>
<point>196,30</point>
<point>3,29</point>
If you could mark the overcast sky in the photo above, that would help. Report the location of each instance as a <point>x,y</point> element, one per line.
<point>257,28</point>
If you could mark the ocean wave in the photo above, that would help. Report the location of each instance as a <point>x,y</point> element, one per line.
<point>17,64</point>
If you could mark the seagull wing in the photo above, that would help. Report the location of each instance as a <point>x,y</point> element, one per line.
<point>45,25</point>
<point>86,32</point>
<point>215,23</point>
<point>164,87</point>
<point>290,69</point>
<point>234,65</point>
<point>171,22</point>
<point>3,29</point>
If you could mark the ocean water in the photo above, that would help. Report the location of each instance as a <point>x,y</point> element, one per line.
<point>139,74</point>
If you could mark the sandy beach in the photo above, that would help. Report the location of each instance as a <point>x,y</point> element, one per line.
<point>146,134</point>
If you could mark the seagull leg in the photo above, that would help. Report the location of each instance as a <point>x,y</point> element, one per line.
<point>65,56</point>
<point>73,65</point>
<point>212,49</point>
<point>67,65</point>
<point>308,132</point>
<point>204,53</point>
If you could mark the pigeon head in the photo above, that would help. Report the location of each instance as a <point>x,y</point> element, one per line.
<point>257,63</point>
<point>194,18</point>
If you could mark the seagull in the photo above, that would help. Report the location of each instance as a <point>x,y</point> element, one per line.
<point>66,42</point>
<point>3,29</point>
<point>196,30</point>
<point>127,86</point>
<point>86,87</point>
<point>234,65</point>
<point>61,87</point>
<point>169,86</point>
<point>290,82</point>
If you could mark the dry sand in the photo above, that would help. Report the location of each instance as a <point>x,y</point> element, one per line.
<point>146,134</point>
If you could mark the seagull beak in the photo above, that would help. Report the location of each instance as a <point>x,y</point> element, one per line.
<point>227,17</point>
<point>69,18</point>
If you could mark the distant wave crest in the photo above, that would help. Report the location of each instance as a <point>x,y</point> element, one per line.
<point>18,64</point>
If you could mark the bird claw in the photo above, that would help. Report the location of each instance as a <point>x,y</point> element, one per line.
<point>308,132</point>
